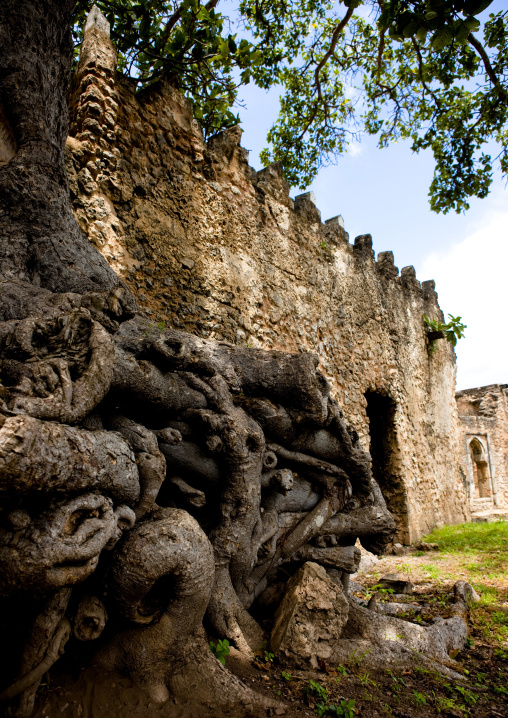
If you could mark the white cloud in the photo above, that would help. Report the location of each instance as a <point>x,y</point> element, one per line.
<point>472,281</point>
<point>354,149</point>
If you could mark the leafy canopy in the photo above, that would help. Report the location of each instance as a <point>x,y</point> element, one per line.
<point>431,71</point>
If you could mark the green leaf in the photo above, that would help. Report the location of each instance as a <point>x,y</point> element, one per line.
<point>384,20</point>
<point>472,24</point>
<point>474,7</point>
<point>411,27</point>
<point>144,25</point>
<point>138,10</point>
<point>462,34</point>
<point>393,32</point>
<point>421,35</point>
<point>441,38</point>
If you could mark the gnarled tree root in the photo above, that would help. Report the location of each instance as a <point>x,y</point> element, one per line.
<point>212,685</point>
<point>46,458</point>
<point>395,641</point>
<point>45,643</point>
<point>161,579</point>
<point>36,348</point>
<point>34,676</point>
<point>61,546</point>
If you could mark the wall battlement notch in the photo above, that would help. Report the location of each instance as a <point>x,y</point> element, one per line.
<point>96,21</point>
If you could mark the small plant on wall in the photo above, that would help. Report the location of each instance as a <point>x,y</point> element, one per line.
<point>452,331</point>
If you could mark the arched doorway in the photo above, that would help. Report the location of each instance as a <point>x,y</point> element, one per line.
<point>481,472</point>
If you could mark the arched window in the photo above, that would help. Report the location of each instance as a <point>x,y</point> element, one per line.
<point>481,473</point>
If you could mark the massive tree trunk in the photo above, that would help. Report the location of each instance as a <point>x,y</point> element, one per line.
<point>41,242</point>
<point>147,478</point>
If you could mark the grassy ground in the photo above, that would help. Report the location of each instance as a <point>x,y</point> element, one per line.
<point>477,553</point>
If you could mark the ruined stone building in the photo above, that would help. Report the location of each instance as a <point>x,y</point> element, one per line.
<point>213,247</point>
<point>483,416</point>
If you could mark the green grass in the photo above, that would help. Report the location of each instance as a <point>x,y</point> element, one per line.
<point>489,595</point>
<point>490,616</point>
<point>486,542</point>
<point>481,550</point>
<point>471,538</point>
<point>431,570</point>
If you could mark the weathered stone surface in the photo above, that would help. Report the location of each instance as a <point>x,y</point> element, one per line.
<point>7,139</point>
<point>310,617</point>
<point>355,587</point>
<point>396,583</point>
<point>392,608</point>
<point>368,560</point>
<point>398,549</point>
<point>248,265</point>
<point>483,416</point>
<point>465,593</point>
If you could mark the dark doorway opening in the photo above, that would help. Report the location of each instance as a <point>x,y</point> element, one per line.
<point>385,455</point>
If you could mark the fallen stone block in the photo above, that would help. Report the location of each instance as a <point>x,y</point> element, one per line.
<point>464,595</point>
<point>435,641</point>
<point>398,549</point>
<point>463,591</point>
<point>310,618</point>
<point>397,584</point>
<point>355,587</point>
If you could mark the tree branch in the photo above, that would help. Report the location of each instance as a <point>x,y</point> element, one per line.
<point>380,52</point>
<point>420,64</point>
<point>486,63</point>
<point>335,36</point>
<point>177,15</point>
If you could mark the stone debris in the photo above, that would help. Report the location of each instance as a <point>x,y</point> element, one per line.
<point>368,560</point>
<point>387,636</point>
<point>465,593</point>
<point>310,618</point>
<point>355,587</point>
<point>397,584</point>
<point>391,608</point>
<point>398,549</point>
<point>424,546</point>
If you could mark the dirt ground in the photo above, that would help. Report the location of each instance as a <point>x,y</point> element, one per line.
<point>434,569</point>
<point>347,690</point>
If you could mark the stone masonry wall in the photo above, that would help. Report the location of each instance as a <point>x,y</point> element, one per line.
<point>483,415</point>
<point>213,247</point>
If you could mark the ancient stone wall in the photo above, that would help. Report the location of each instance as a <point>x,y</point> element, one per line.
<point>483,415</point>
<point>210,245</point>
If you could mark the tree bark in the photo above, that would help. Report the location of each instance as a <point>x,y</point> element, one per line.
<point>146,477</point>
<point>40,240</point>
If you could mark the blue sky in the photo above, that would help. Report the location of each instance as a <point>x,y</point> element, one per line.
<point>384,193</point>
